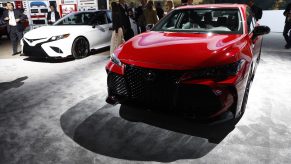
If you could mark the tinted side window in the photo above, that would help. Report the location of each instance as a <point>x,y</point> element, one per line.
<point>101,18</point>
<point>109,16</point>
<point>77,19</point>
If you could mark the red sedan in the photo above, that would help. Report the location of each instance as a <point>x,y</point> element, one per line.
<point>198,61</point>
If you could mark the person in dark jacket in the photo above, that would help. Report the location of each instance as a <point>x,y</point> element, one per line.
<point>160,11</point>
<point>258,12</point>
<point>117,37</point>
<point>116,17</point>
<point>53,15</point>
<point>128,33</point>
<point>287,27</point>
<point>15,28</point>
<point>140,19</point>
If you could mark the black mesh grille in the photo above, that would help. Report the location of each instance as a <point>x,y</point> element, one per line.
<point>151,86</point>
<point>116,85</point>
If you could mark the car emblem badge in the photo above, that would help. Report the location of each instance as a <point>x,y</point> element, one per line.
<point>150,76</point>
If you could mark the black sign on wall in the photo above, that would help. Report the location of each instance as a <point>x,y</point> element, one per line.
<point>102,4</point>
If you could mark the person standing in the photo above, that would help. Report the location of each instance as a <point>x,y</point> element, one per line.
<point>117,37</point>
<point>132,9</point>
<point>169,6</point>
<point>140,19</point>
<point>132,19</point>
<point>53,15</point>
<point>287,27</point>
<point>160,11</point>
<point>258,12</point>
<point>132,22</point>
<point>189,2</point>
<point>128,33</point>
<point>150,14</point>
<point>15,28</point>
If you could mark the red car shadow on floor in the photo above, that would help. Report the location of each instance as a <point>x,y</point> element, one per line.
<point>156,137</point>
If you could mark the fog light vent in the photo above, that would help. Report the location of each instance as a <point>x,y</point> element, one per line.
<point>57,50</point>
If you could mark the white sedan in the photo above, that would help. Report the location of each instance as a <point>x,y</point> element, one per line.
<point>75,34</point>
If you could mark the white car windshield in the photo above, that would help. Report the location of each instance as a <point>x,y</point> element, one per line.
<point>83,18</point>
<point>214,20</point>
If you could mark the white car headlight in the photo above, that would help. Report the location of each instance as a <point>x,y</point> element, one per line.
<point>115,60</point>
<point>54,38</point>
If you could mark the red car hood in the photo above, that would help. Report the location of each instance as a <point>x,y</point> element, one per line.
<point>167,50</point>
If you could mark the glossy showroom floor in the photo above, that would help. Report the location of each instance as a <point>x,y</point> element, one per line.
<point>54,112</point>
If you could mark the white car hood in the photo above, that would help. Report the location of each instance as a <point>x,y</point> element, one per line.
<point>49,31</point>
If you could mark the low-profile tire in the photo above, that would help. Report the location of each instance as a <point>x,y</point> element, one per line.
<point>130,113</point>
<point>246,95</point>
<point>80,48</point>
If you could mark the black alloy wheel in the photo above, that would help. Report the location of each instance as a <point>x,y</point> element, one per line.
<point>80,48</point>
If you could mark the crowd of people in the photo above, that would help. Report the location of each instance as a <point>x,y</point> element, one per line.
<point>131,20</point>
<point>128,21</point>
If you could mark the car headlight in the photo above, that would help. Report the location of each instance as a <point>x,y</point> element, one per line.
<point>54,38</point>
<point>115,60</point>
<point>217,73</point>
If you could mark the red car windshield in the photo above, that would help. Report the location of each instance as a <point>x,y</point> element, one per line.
<point>222,21</point>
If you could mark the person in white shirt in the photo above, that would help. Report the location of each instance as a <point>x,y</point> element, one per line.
<point>15,28</point>
<point>53,15</point>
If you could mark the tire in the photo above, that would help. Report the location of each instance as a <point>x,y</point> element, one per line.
<point>130,113</point>
<point>80,48</point>
<point>246,95</point>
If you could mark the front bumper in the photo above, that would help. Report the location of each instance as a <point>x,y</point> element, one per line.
<point>162,91</point>
<point>46,48</point>
<point>33,51</point>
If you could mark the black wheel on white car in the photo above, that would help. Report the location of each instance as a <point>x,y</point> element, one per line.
<point>80,48</point>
